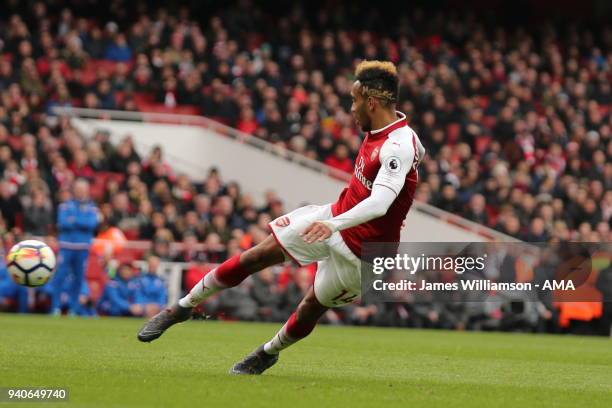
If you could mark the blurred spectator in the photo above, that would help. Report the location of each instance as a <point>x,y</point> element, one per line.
<point>477,210</point>
<point>267,295</point>
<point>85,305</point>
<point>161,246</point>
<point>76,221</point>
<point>10,206</point>
<point>296,290</point>
<point>340,159</point>
<point>38,215</point>
<point>189,252</point>
<point>13,297</point>
<point>118,50</point>
<point>153,294</point>
<point>604,284</point>
<point>121,295</point>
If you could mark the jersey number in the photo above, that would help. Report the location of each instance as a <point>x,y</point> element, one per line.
<point>338,300</point>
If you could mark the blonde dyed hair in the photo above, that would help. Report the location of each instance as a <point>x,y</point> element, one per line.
<point>386,66</point>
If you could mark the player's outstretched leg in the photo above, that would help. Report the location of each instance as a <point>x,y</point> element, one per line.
<point>229,274</point>
<point>300,324</point>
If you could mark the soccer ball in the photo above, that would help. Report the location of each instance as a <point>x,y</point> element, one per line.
<point>30,263</point>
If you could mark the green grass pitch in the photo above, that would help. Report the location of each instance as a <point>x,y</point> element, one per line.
<point>103,365</point>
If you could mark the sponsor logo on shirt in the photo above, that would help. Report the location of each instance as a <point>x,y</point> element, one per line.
<point>359,173</point>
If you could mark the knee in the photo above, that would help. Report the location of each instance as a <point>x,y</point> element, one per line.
<point>263,253</point>
<point>309,310</point>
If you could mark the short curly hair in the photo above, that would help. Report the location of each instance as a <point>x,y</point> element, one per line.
<point>378,79</point>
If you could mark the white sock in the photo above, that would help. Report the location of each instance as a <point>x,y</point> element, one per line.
<point>279,342</point>
<point>206,287</point>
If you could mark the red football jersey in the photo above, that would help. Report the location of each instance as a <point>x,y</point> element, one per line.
<point>391,153</point>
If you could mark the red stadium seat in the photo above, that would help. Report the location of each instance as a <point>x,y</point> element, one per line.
<point>453,131</point>
<point>147,106</point>
<point>482,143</point>
<point>489,121</point>
<point>15,143</point>
<point>483,101</point>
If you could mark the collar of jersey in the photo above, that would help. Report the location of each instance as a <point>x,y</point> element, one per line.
<point>391,126</point>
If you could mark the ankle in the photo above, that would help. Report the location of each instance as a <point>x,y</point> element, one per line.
<point>268,349</point>
<point>185,303</point>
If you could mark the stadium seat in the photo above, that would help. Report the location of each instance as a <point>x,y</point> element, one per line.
<point>453,131</point>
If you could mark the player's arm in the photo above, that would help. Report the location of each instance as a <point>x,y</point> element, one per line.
<point>396,159</point>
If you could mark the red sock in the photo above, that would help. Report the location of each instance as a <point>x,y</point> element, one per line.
<point>230,273</point>
<point>298,330</point>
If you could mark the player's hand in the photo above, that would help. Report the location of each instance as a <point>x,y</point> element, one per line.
<point>316,232</point>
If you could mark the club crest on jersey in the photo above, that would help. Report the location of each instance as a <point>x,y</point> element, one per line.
<point>359,173</point>
<point>374,154</point>
<point>283,222</point>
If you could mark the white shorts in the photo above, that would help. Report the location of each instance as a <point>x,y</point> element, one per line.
<point>338,278</point>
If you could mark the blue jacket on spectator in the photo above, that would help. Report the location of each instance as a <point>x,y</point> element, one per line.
<point>118,296</point>
<point>77,223</point>
<point>118,53</point>
<point>152,289</point>
<point>6,284</point>
<point>10,290</point>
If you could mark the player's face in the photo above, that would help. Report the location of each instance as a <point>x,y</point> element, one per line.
<point>359,108</point>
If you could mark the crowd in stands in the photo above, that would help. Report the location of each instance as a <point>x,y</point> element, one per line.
<point>516,121</point>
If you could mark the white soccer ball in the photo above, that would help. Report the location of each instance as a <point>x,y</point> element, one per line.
<point>30,263</point>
